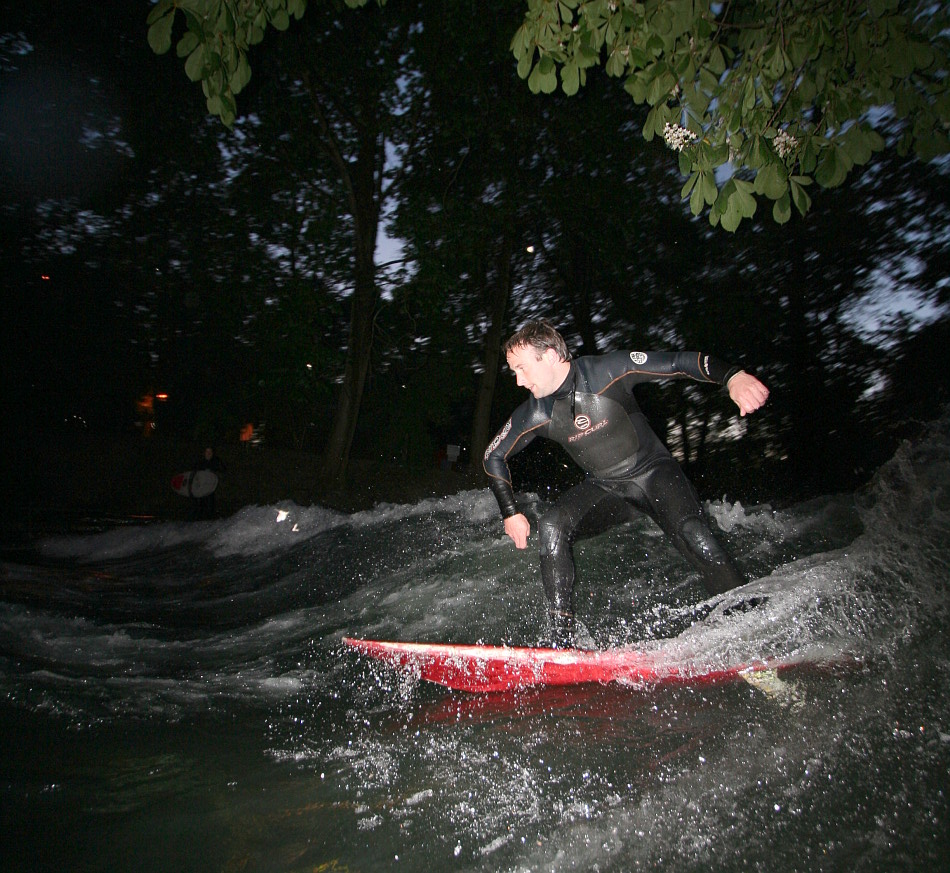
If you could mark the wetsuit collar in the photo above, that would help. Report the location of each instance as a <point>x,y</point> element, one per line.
<point>569,385</point>
<point>568,388</point>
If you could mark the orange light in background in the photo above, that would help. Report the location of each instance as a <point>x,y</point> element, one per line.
<point>45,277</point>
<point>161,396</point>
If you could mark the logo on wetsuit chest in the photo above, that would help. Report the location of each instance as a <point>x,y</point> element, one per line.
<point>583,424</point>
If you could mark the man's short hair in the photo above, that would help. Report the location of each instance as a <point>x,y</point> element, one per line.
<point>539,335</point>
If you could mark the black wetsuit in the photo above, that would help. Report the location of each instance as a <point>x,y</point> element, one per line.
<point>594,416</point>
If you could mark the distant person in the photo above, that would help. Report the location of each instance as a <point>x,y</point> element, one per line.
<point>203,507</point>
<point>587,406</point>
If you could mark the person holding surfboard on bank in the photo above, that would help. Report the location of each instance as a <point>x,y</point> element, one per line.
<point>203,506</point>
<point>587,406</point>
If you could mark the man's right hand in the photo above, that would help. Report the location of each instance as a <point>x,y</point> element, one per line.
<point>519,529</point>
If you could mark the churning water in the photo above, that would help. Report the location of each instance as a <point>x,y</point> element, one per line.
<point>176,697</point>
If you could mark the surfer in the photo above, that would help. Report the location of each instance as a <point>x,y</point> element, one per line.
<point>587,406</point>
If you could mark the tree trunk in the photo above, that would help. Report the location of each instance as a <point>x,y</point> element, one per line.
<point>358,354</point>
<point>363,184</point>
<point>494,336</point>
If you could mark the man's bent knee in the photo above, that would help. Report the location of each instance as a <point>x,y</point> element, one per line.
<point>553,532</point>
<point>710,558</point>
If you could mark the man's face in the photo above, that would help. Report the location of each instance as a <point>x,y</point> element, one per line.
<point>540,374</point>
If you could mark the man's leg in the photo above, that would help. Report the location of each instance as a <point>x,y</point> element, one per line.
<point>673,503</point>
<point>584,510</point>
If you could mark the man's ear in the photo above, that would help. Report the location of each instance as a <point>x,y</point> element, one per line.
<point>551,357</point>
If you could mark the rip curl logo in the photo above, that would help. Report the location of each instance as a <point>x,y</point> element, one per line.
<point>639,358</point>
<point>496,442</point>
<point>591,428</point>
<point>582,422</point>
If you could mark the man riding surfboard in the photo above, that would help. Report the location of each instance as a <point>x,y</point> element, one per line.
<point>586,405</point>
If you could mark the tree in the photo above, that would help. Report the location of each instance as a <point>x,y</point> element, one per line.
<point>348,78</point>
<point>784,93</point>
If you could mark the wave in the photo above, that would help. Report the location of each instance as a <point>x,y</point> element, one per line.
<point>269,591</point>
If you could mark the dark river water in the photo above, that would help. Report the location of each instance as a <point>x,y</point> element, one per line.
<point>175,697</point>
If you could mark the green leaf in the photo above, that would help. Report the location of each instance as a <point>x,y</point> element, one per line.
<point>228,110</point>
<point>187,44</point>
<point>808,156</point>
<point>160,32</point>
<point>772,180</point>
<point>708,81</point>
<point>710,191</point>
<point>931,144</point>
<point>782,209</point>
<point>160,9</point>
<point>695,99</point>
<point>758,154</point>
<point>731,217</point>
<point>543,77</point>
<point>649,126</point>
<point>857,145</point>
<point>662,21</point>
<point>744,198</point>
<point>799,194</point>
<point>748,96</point>
<point>924,55</point>
<point>195,65</point>
<point>280,19</point>
<point>524,66</point>
<point>833,167</point>
<point>663,115</point>
<point>519,44</point>
<point>775,62</point>
<point>534,80</point>
<point>616,64</point>
<point>719,153</point>
<point>241,75</point>
<point>662,85</point>
<point>900,59</point>
<point>570,79</point>
<point>636,86</point>
<point>689,186</point>
<point>696,200</point>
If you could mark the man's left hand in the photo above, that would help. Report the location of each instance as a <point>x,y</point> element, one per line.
<point>747,392</point>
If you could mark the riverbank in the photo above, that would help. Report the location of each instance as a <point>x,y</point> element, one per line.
<point>62,481</point>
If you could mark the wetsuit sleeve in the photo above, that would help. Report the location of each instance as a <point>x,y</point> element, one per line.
<point>647,366</point>
<point>517,433</point>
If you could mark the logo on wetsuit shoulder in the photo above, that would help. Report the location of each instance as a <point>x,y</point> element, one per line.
<point>582,422</point>
<point>639,358</point>
<point>496,442</point>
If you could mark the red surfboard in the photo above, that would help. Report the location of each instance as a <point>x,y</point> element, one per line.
<point>503,668</point>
